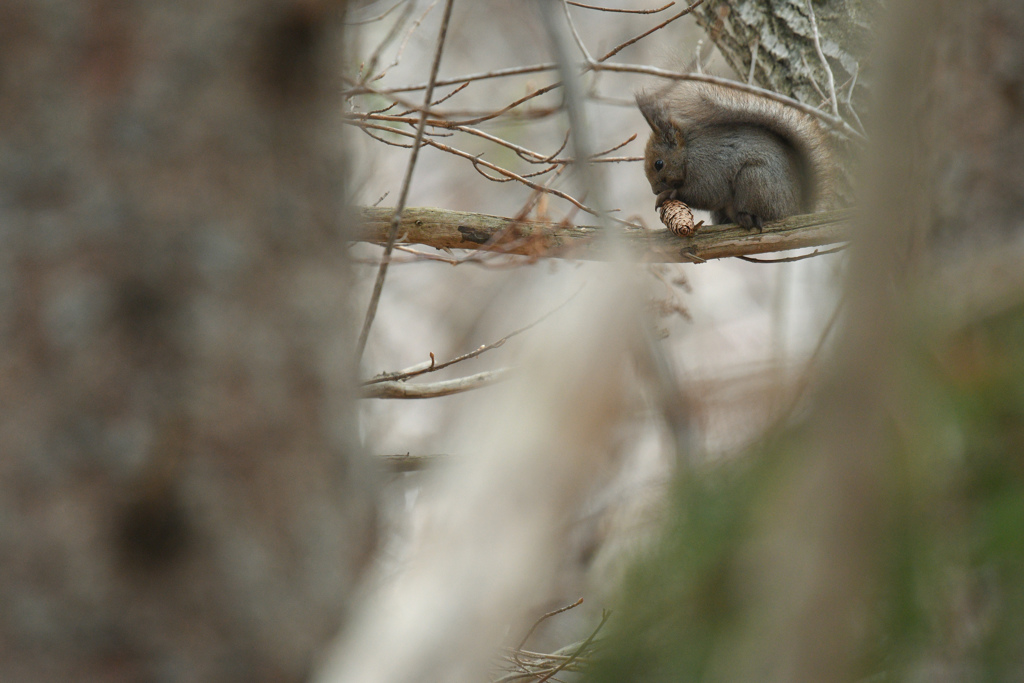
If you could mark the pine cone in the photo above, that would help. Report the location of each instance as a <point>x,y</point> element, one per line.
<point>678,218</point>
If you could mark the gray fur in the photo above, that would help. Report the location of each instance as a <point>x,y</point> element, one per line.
<point>745,158</point>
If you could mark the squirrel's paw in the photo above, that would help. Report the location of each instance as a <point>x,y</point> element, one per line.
<point>664,197</point>
<point>749,221</point>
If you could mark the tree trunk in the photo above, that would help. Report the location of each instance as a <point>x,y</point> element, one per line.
<point>778,37</point>
<point>179,494</point>
<point>787,61</point>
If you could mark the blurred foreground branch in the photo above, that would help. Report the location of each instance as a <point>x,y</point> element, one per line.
<point>443,229</point>
<point>394,389</point>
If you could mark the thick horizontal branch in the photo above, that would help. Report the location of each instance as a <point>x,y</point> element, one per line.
<point>393,389</point>
<point>443,229</point>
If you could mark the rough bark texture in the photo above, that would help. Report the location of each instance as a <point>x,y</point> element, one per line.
<point>443,229</point>
<point>787,61</point>
<point>779,33</point>
<point>178,495</point>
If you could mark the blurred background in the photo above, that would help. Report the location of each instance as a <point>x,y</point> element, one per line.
<point>799,470</point>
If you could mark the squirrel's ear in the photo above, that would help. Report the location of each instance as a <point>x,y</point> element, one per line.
<point>656,114</point>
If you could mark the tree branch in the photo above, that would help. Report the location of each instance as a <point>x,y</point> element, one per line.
<point>394,389</point>
<point>399,463</point>
<point>443,229</point>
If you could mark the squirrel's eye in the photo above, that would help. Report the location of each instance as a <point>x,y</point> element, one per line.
<point>658,164</point>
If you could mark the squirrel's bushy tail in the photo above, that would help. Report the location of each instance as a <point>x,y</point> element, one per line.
<point>694,103</point>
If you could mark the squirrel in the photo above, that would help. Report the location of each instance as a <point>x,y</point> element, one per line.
<point>745,158</point>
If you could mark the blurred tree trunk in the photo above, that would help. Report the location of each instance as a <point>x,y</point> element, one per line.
<point>880,538</point>
<point>179,494</point>
<point>954,133</point>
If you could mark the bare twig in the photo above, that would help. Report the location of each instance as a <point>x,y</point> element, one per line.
<point>494,73</point>
<point>807,375</point>
<point>621,11</point>
<point>405,41</point>
<point>448,387</point>
<point>791,259</point>
<point>478,258</point>
<point>494,167</point>
<point>523,153</point>
<point>849,97</point>
<point>361,22</point>
<point>446,119</point>
<point>450,95</point>
<point>753,61</point>
<point>576,34</point>
<point>544,618</point>
<point>619,48</point>
<point>814,81</point>
<point>371,66</point>
<point>431,366</point>
<point>371,310</point>
<point>834,123</point>
<point>833,100</point>
<point>495,114</point>
<point>543,666</point>
<point>582,648</point>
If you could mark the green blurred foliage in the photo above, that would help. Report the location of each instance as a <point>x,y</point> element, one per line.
<point>946,596</point>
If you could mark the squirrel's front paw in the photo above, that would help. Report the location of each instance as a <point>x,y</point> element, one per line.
<point>749,221</point>
<point>664,197</point>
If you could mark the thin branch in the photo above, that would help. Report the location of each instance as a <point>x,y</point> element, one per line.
<point>495,73</point>
<point>527,155</point>
<point>450,95</point>
<point>544,618</point>
<point>582,648</point>
<point>475,159</point>
<point>478,258</point>
<point>431,366</point>
<point>378,138</point>
<point>434,389</point>
<point>753,60</point>
<point>622,144</point>
<point>371,66</point>
<point>543,666</point>
<point>807,375</point>
<point>576,34</point>
<point>616,50</point>
<point>832,122</point>
<point>621,11</point>
<point>361,22</point>
<point>499,112</point>
<point>405,41</point>
<point>378,286</point>
<point>833,100</point>
<point>791,259</point>
<point>443,119</point>
<point>849,97</point>
<point>814,81</point>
